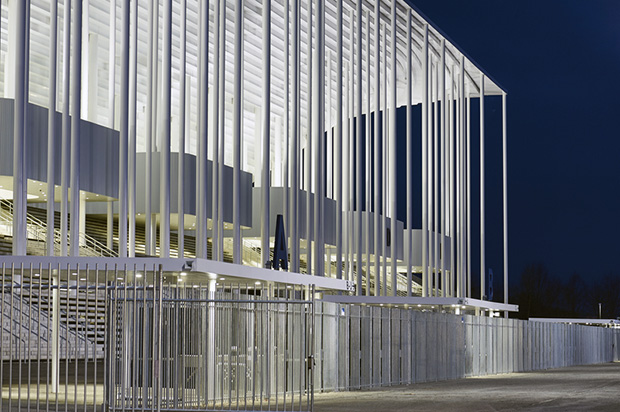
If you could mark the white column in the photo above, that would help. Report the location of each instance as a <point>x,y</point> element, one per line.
<point>286,132</point>
<point>468,201</point>
<point>436,274</point>
<point>357,88</point>
<point>309,141</point>
<point>482,225</point>
<point>425,276</point>
<point>66,119</point>
<point>19,129</point>
<point>265,131</point>
<point>219,241</point>
<point>319,137</point>
<point>124,133</point>
<point>451,170</point>
<point>133,98</point>
<point>505,195</point>
<point>352,238</point>
<point>237,130</point>
<point>112,64</point>
<point>339,136</point>
<point>367,174</point>
<point>378,235</point>
<point>384,164</point>
<point>164,194</point>
<point>109,225</point>
<point>91,91</point>
<point>444,192</point>
<point>294,194</point>
<point>151,123</point>
<point>215,113</point>
<point>393,137</point>
<point>184,121</point>
<point>462,181</point>
<point>76,87</point>
<point>82,219</point>
<point>51,127</point>
<point>345,174</point>
<point>203,110</point>
<point>409,230</point>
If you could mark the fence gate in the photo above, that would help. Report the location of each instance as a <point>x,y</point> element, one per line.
<point>177,347</point>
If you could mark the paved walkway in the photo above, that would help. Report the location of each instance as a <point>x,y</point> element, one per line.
<point>581,388</point>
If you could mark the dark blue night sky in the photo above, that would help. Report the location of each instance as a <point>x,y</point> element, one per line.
<point>559,61</point>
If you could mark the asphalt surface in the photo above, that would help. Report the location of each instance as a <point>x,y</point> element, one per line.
<point>580,388</point>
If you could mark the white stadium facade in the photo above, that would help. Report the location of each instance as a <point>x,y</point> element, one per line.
<point>200,198</point>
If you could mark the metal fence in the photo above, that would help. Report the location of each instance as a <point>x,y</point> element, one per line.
<point>131,337</point>
<point>218,347</point>
<point>110,337</point>
<point>369,346</point>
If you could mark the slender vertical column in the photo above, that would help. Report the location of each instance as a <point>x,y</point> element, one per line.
<point>451,170</point>
<point>319,137</point>
<point>287,118</point>
<point>112,65</point>
<point>425,278</point>
<point>357,88</point>
<point>151,115</point>
<point>309,141</point>
<point>378,235</point>
<point>346,159</point>
<point>111,107</point>
<point>457,177</point>
<point>266,128</point>
<point>237,131</point>
<point>352,157</point>
<point>409,156</point>
<point>295,141</point>
<point>219,241</point>
<point>215,113</point>
<point>339,136</point>
<point>468,204</point>
<point>462,181</point>
<point>482,215</point>
<point>124,132</point>
<point>442,70</point>
<point>51,127</point>
<point>393,137</point>
<point>184,120</point>
<point>133,99</point>
<point>505,195</point>
<point>201,179</point>
<point>367,151</point>
<point>66,119</point>
<point>429,179</point>
<point>436,251</point>
<point>164,194</point>
<point>19,130</point>
<point>384,163</point>
<point>76,85</point>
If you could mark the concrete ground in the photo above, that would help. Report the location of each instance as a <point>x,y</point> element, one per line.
<point>580,388</point>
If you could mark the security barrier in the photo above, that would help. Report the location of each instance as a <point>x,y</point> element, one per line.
<point>362,347</point>
<point>116,336</point>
